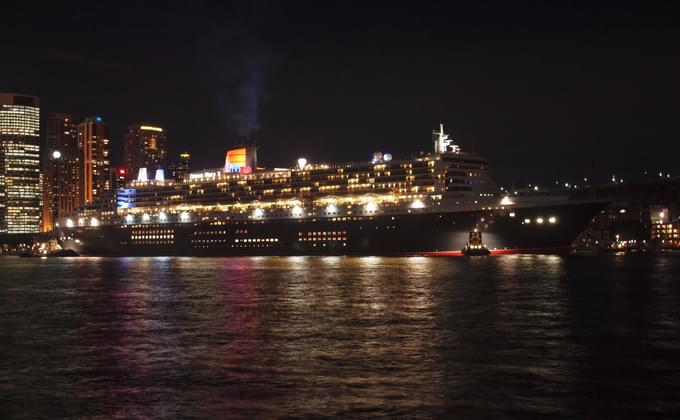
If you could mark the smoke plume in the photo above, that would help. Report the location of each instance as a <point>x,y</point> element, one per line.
<point>238,68</point>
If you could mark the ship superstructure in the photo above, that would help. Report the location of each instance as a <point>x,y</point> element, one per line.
<point>354,207</point>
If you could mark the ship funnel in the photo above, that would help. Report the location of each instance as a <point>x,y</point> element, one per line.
<point>160,175</point>
<point>141,177</point>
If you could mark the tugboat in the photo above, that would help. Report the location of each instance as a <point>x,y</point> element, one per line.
<point>475,246</point>
<point>50,248</point>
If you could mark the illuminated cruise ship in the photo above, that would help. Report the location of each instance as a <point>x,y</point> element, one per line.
<point>425,205</point>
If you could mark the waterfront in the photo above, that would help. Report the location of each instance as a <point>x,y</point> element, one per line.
<point>510,336</point>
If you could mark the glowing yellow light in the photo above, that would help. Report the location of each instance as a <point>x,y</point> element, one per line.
<point>151,128</point>
<point>184,217</point>
<point>371,206</point>
<point>94,222</point>
<point>552,219</point>
<point>539,220</point>
<point>506,201</point>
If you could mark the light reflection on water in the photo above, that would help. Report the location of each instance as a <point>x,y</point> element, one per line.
<point>364,336</point>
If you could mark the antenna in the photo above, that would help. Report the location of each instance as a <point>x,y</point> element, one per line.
<point>442,141</point>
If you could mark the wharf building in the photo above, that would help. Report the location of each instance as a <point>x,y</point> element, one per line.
<point>665,231</point>
<point>61,174</point>
<point>144,147</point>
<point>20,186</point>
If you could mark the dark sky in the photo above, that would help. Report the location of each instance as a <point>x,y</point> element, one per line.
<point>544,91</point>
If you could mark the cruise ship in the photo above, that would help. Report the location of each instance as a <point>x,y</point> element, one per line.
<point>424,205</point>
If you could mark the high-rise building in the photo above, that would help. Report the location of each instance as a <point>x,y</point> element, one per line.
<point>93,151</point>
<point>118,176</point>
<point>144,147</point>
<point>61,174</point>
<point>180,168</point>
<point>20,188</point>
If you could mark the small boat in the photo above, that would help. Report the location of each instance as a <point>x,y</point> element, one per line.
<point>475,246</point>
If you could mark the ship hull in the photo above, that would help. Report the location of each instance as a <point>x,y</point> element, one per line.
<point>545,229</point>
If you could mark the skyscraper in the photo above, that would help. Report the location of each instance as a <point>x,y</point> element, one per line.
<point>61,174</point>
<point>144,147</point>
<point>93,151</point>
<point>20,188</point>
<point>180,168</point>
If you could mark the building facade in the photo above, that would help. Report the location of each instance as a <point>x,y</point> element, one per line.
<point>20,187</point>
<point>61,174</point>
<point>665,229</point>
<point>179,170</point>
<point>94,167</point>
<point>144,147</point>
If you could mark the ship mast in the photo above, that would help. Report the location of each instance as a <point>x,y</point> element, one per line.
<point>442,142</point>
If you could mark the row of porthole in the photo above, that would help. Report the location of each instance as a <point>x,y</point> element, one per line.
<point>331,238</point>
<point>324,233</point>
<point>252,245</point>
<point>134,237</point>
<point>256,240</point>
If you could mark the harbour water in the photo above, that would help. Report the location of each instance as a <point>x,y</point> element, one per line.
<point>510,336</point>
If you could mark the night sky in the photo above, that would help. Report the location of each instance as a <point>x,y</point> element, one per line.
<point>545,92</point>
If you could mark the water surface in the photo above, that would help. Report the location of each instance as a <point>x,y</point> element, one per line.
<point>510,336</point>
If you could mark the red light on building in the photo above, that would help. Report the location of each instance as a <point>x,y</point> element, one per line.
<point>121,171</point>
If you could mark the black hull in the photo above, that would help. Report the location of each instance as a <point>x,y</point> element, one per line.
<point>504,231</point>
